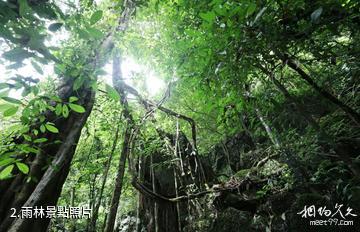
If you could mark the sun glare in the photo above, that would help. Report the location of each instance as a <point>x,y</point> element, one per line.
<point>133,73</point>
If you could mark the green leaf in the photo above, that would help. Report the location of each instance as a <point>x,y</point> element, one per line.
<point>50,107</point>
<point>55,98</point>
<point>24,119</point>
<point>79,81</point>
<point>73,99</point>
<point>37,67</point>
<point>6,172</point>
<point>27,149</point>
<point>94,85</point>
<point>23,168</point>
<point>65,111</point>
<point>42,128</point>
<point>4,107</point>
<point>58,109</point>
<point>96,16</point>
<point>55,26</point>
<point>95,33</point>
<point>10,111</point>
<point>77,108</point>
<point>6,161</point>
<point>112,93</point>
<point>23,7</point>
<point>220,10</point>
<point>251,8</point>
<point>11,100</point>
<point>40,140</point>
<point>74,72</point>
<point>59,68</point>
<point>208,16</point>
<point>83,34</point>
<point>35,90</point>
<point>51,128</point>
<point>27,137</point>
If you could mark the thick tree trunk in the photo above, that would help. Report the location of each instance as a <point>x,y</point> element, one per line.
<point>46,192</point>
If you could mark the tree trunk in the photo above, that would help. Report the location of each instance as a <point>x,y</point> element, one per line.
<point>105,175</point>
<point>117,82</point>
<point>153,184</point>
<point>118,184</point>
<point>46,192</point>
<point>268,130</point>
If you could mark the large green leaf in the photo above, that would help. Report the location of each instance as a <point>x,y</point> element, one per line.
<point>208,16</point>
<point>79,81</point>
<point>10,111</point>
<point>96,16</point>
<point>11,100</point>
<point>23,168</point>
<point>112,93</point>
<point>95,33</point>
<point>83,34</point>
<point>23,7</point>
<point>251,8</point>
<point>6,161</point>
<point>58,109</point>
<point>6,172</point>
<point>77,108</point>
<point>51,128</point>
<point>4,107</point>
<point>42,128</point>
<point>28,149</point>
